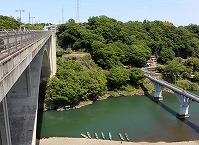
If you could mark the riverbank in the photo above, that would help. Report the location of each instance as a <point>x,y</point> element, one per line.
<point>83,141</point>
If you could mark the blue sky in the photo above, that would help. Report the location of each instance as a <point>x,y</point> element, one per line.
<point>179,12</point>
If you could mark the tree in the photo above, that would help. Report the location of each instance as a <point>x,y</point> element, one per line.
<point>107,27</point>
<point>73,83</point>
<point>166,55</point>
<point>193,63</point>
<point>196,77</point>
<point>9,23</point>
<point>117,77</point>
<point>161,68</point>
<point>175,68</point>
<point>68,34</point>
<point>137,55</point>
<point>136,76</point>
<point>108,56</point>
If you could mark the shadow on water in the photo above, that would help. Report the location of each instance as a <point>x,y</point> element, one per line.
<point>40,108</point>
<point>174,113</point>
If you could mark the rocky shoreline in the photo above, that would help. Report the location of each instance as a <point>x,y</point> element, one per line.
<point>49,106</point>
<point>89,102</point>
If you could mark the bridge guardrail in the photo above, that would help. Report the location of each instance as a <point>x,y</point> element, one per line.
<point>12,41</point>
<point>191,95</point>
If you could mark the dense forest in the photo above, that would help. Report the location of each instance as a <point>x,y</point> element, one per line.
<point>119,50</point>
<point>112,42</point>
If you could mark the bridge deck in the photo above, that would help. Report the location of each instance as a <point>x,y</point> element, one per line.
<point>188,94</point>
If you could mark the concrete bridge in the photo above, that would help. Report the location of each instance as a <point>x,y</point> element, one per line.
<point>26,57</point>
<point>184,97</point>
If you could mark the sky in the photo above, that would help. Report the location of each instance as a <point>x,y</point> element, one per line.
<point>179,12</point>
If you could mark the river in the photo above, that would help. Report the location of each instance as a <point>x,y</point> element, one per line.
<point>138,116</point>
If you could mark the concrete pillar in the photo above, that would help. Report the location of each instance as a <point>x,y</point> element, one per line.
<point>52,55</point>
<point>5,137</point>
<point>184,105</point>
<point>23,103</point>
<point>157,91</point>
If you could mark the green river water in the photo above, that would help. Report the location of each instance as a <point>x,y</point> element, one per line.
<point>138,116</point>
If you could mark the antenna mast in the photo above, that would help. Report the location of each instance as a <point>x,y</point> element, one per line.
<point>77,14</point>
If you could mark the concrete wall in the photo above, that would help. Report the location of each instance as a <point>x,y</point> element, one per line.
<point>20,77</point>
<point>23,101</point>
<point>12,67</point>
<point>5,137</point>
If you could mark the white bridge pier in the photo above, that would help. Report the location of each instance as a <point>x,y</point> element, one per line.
<point>185,98</point>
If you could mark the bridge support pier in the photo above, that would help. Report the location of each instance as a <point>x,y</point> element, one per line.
<point>5,137</point>
<point>184,105</point>
<point>157,92</point>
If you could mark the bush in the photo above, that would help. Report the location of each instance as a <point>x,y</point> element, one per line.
<point>117,77</point>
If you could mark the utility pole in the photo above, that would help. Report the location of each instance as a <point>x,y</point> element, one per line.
<point>77,14</point>
<point>29,17</point>
<point>32,19</point>
<point>20,13</point>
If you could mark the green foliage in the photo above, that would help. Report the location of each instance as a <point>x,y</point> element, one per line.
<point>108,28</point>
<point>187,85</point>
<point>117,77</point>
<point>137,55</point>
<point>196,77</point>
<point>34,26</point>
<point>136,76</point>
<point>108,56</point>
<point>194,29</point>
<point>113,42</point>
<point>73,84</point>
<point>9,23</point>
<point>59,53</point>
<point>161,68</point>
<point>175,68</point>
<point>193,63</point>
<point>68,34</point>
<point>166,55</point>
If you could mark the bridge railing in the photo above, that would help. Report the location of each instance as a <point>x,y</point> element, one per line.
<point>12,41</point>
<point>168,85</point>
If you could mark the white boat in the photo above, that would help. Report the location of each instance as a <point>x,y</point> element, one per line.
<point>126,135</point>
<point>89,135</point>
<point>96,136</point>
<point>83,135</point>
<point>110,136</point>
<point>103,137</point>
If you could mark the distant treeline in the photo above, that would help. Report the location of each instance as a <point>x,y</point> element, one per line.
<point>12,24</point>
<point>9,23</point>
<point>120,49</point>
<point>112,43</point>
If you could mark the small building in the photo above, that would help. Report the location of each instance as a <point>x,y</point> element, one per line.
<point>149,63</point>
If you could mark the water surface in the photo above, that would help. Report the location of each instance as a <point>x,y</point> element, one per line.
<point>139,116</point>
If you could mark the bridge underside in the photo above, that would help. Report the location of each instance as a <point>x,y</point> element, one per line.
<point>18,109</point>
<point>183,100</point>
<point>22,100</point>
